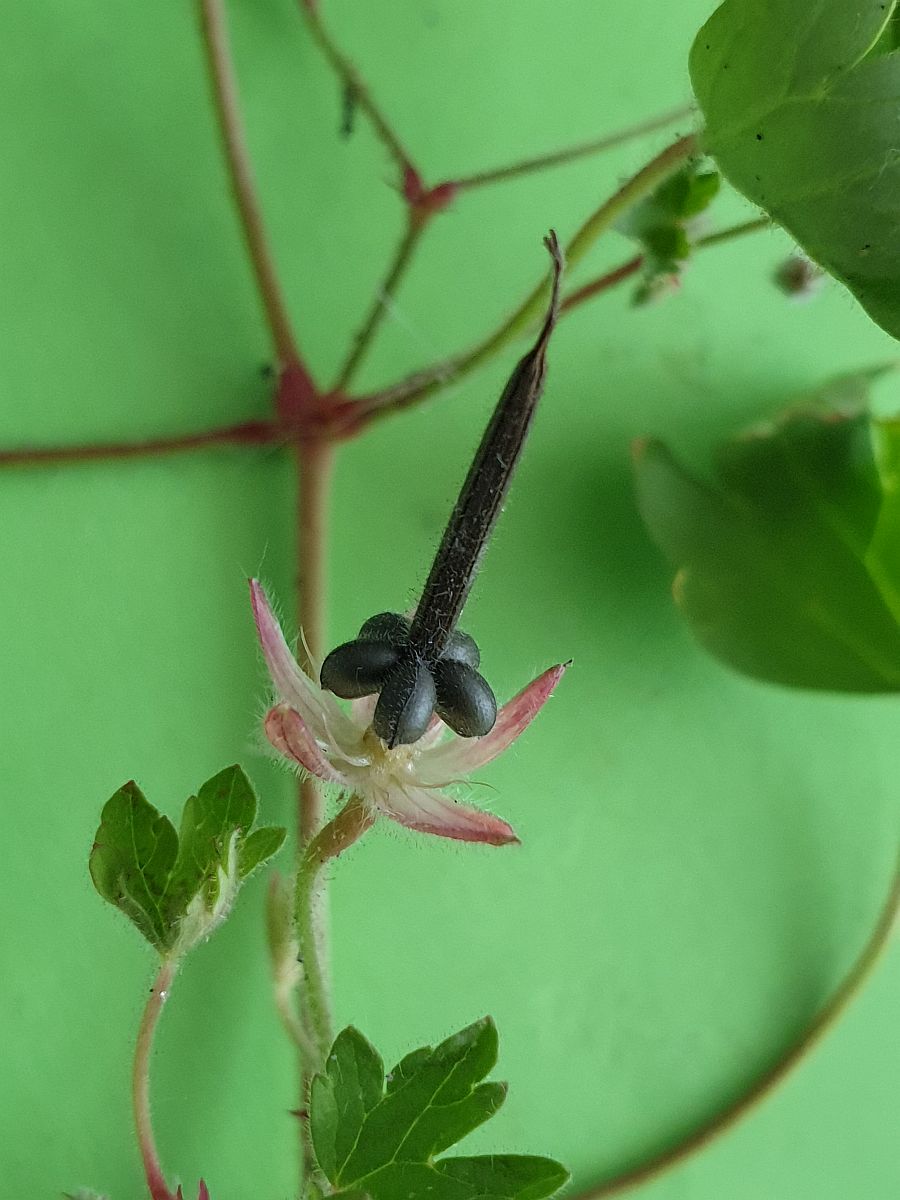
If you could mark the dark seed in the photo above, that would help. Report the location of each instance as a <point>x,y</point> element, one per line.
<point>386,627</point>
<point>464,699</point>
<point>462,649</point>
<point>358,668</point>
<point>406,704</point>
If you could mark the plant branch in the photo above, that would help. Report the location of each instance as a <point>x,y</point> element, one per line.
<point>350,824</point>
<point>415,227</point>
<point>733,231</point>
<point>315,461</point>
<point>140,1090</point>
<point>248,433</point>
<point>602,284</point>
<point>423,383</point>
<point>763,1087</point>
<point>633,265</point>
<point>558,158</point>
<point>225,94</point>
<point>356,88</point>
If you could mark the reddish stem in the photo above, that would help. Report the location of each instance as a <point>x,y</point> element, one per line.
<point>248,433</point>
<point>603,284</point>
<point>159,993</point>
<point>237,157</point>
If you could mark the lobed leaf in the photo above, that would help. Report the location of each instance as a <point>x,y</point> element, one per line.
<point>176,888</point>
<point>378,1135</point>
<point>788,567</point>
<point>800,101</point>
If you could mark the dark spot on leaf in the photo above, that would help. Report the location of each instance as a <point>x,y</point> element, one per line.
<point>759,137</point>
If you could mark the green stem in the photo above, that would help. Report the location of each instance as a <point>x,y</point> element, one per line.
<point>762,1088</point>
<point>423,383</point>
<point>558,158</point>
<point>140,1081</point>
<point>350,824</point>
<point>415,227</point>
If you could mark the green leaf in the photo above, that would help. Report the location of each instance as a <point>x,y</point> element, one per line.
<point>378,1136</point>
<point>177,888</point>
<point>665,225</point>
<point>132,859</point>
<point>788,568</point>
<point>800,101</point>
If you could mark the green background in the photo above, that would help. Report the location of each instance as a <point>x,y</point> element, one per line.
<point>702,856</point>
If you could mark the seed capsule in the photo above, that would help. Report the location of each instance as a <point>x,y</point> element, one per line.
<point>406,704</point>
<point>465,701</point>
<point>358,668</point>
<point>426,665</point>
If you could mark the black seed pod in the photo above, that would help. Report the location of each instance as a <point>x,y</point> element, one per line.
<point>406,704</point>
<point>481,499</point>
<point>358,668</point>
<point>462,649</point>
<point>386,627</point>
<point>426,664</point>
<point>465,701</point>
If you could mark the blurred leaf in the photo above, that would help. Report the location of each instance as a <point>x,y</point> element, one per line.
<point>178,888</point>
<point>788,568</point>
<point>800,101</point>
<point>665,223</point>
<point>380,1140</point>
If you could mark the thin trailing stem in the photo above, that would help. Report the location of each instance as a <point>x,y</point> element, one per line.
<point>315,461</point>
<point>415,227</point>
<point>350,824</point>
<point>358,94</point>
<point>559,158</point>
<point>249,433</point>
<point>224,85</point>
<point>423,383</point>
<point>140,1089</point>
<point>734,231</point>
<point>762,1088</point>
<point>632,265</point>
<point>603,283</point>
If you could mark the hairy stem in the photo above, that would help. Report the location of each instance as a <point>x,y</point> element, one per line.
<point>558,158</point>
<point>763,1087</point>
<point>224,85</point>
<point>140,1081</point>
<point>248,433</point>
<point>350,824</point>
<point>415,227</point>
<point>423,383</point>
<point>315,460</point>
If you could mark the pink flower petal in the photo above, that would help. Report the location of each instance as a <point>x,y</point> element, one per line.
<point>461,756</point>
<point>434,812</point>
<point>317,708</point>
<point>204,1191</point>
<point>290,735</point>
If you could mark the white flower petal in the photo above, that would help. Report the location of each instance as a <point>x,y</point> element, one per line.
<point>461,756</point>
<point>434,812</point>
<point>289,734</point>
<point>318,708</point>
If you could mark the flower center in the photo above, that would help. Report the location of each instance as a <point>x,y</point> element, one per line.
<point>385,763</point>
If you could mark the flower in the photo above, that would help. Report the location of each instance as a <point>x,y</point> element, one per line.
<point>406,782</point>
